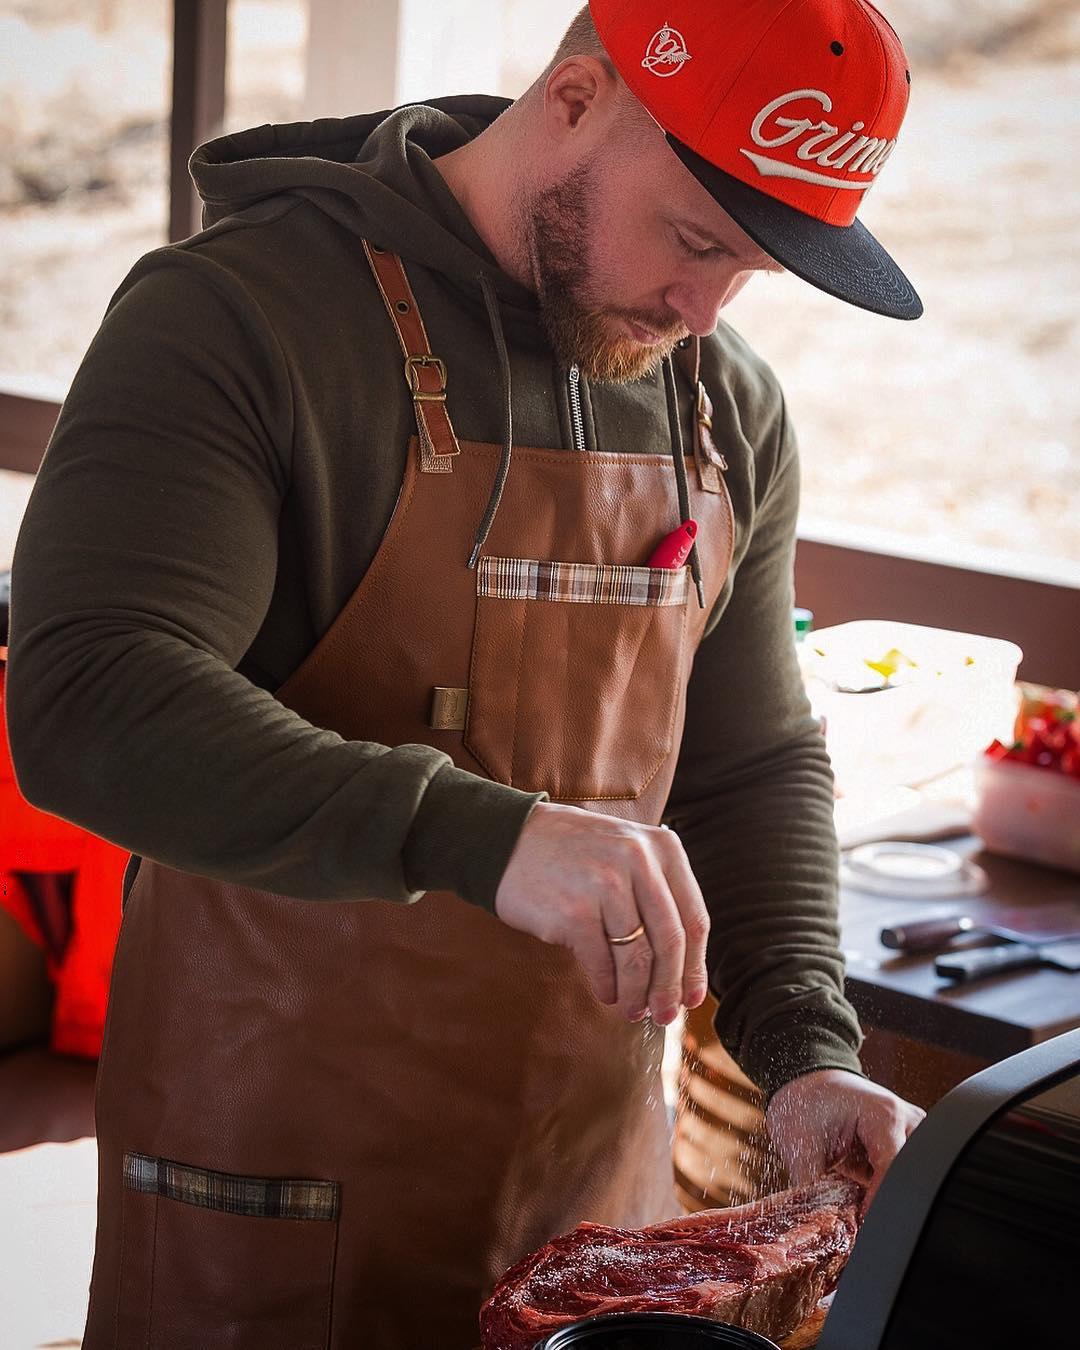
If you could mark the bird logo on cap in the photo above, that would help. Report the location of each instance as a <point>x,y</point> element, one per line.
<point>666,53</point>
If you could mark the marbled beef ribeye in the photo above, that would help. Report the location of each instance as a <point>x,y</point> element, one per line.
<point>762,1266</point>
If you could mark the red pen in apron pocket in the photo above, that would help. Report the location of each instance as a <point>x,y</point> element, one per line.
<point>673,549</point>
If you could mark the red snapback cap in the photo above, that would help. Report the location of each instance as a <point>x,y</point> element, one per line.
<point>785,111</point>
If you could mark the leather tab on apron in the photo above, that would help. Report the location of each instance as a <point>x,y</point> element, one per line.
<point>448,708</point>
<point>708,458</point>
<point>425,373</point>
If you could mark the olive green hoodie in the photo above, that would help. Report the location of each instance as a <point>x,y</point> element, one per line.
<point>221,475</point>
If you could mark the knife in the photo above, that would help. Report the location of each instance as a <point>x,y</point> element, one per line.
<point>1040,925</point>
<point>973,965</point>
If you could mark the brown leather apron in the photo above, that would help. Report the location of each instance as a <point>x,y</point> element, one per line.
<point>336,1124</point>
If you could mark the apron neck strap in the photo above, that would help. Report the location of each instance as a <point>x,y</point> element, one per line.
<point>425,374</point>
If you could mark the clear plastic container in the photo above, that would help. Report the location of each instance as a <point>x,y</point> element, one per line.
<point>1026,811</point>
<point>950,695</point>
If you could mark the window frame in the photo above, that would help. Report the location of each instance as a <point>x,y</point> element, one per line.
<point>837,580</point>
<point>199,61</point>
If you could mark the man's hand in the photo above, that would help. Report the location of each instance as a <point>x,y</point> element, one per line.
<point>578,878</point>
<point>832,1118</point>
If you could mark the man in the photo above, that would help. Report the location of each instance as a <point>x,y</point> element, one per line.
<point>370,668</point>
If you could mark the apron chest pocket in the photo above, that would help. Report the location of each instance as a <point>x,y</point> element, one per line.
<point>215,1260</point>
<point>576,675</point>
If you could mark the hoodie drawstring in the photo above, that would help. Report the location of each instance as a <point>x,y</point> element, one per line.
<point>674,426</point>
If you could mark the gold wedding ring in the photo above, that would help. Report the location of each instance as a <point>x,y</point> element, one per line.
<point>630,937</point>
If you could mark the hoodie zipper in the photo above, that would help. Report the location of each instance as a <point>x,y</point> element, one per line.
<point>577,425</point>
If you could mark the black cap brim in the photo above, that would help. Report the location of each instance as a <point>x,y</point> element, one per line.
<point>842,260</point>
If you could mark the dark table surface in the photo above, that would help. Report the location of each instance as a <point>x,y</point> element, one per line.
<point>992,1017</point>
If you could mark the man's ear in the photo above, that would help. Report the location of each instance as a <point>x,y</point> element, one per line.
<point>579,98</point>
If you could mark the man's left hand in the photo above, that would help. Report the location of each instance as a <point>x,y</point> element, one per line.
<point>830,1118</point>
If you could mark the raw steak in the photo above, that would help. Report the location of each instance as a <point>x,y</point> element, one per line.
<point>762,1266</point>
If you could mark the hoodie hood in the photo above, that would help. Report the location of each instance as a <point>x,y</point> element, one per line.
<point>373,174</point>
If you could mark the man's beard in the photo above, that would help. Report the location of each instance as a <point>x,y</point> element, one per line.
<point>579,329</point>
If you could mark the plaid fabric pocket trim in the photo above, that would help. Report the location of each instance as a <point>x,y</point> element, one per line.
<point>258,1197</point>
<point>588,583</point>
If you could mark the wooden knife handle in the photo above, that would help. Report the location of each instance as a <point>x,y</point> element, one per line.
<point>925,935</point>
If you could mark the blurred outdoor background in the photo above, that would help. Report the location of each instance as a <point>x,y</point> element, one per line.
<point>952,438</point>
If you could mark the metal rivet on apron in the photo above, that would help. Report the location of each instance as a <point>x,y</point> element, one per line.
<point>402,306</point>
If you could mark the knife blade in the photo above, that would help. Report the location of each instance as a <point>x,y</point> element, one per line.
<point>974,965</point>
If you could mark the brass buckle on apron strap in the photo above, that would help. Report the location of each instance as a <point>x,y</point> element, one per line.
<point>413,366</point>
